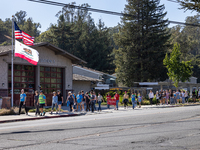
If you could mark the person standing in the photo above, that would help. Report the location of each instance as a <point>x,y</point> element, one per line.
<point>83,100</point>
<point>54,103</point>
<point>157,97</point>
<point>92,101</point>
<point>167,97</point>
<point>163,97</point>
<point>95,101</point>
<point>133,96</point>
<point>177,96</point>
<point>100,99</point>
<point>75,102</point>
<point>116,97</point>
<point>160,97</point>
<point>186,96</point>
<point>37,112</point>
<point>175,100</point>
<point>60,100</point>
<point>79,100</point>
<point>171,96</point>
<point>87,99</point>
<point>151,96</point>
<point>22,102</point>
<point>107,98</point>
<point>139,100</point>
<point>183,97</point>
<point>125,100</point>
<point>42,102</point>
<point>71,100</point>
<point>194,95</point>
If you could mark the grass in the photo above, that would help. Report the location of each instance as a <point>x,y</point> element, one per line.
<point>12,111</point>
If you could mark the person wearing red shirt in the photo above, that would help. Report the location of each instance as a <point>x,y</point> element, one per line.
<point>108,97</point>
<point>116,97</point>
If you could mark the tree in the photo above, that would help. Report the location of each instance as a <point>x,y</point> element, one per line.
<point>77,33</point>
<point>177,70</point>
<point>193,5</point>
<point>142,41</point>
<point>189,39</point>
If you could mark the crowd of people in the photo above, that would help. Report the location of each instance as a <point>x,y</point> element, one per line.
<point>89,99</point>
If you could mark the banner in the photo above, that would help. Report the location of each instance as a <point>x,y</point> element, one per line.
<point>111,101</point>
<point>27,53</point>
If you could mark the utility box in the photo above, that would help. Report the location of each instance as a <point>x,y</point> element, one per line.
<point>6,102</point>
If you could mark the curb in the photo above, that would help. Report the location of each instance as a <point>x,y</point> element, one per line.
<point>38,118</point>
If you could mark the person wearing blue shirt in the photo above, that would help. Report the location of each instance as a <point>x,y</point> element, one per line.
<point>54,103</point>
<point>133,99</point>
<point>79,100</point>
<point>22,102</point>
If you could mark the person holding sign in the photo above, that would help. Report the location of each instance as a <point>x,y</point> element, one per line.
<point>108,97</point>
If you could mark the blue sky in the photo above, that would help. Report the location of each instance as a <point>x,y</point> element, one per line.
<point>45,14</point>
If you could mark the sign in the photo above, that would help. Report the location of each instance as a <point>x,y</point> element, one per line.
<point>111,101</point>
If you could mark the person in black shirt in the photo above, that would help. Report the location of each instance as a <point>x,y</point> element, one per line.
<point>36,103</point>
<point>92,101</point>
<point>87,99</point>
<point>83,100</point>
<point>71,100</point>
<point>60,100</point>
<point>194,95</point>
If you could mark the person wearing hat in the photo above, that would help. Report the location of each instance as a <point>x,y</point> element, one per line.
<point>71,100</point>
<point>60,99</point>
<point>42,102</point>
<point>54,103</point>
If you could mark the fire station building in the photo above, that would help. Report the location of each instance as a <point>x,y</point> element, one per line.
<point>53,72</point>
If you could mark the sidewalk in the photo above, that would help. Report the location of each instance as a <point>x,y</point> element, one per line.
<point>66,113</point>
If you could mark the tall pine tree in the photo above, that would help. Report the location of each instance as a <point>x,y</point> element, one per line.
<point>142,41</point>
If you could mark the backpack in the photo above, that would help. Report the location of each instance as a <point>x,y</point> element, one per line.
<point>70,99</point>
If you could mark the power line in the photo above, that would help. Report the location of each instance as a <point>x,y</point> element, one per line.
<point>104,11</point>
<point>172,1</point>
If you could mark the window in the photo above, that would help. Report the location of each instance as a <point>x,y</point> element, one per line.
<point>51,79</point>
<point>24,78</point>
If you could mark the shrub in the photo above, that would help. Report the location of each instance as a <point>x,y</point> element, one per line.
<point>145,102</point>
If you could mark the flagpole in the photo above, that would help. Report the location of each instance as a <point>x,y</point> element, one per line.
<point>12,66</point>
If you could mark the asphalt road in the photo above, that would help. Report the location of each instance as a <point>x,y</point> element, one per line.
<point>142,129</point>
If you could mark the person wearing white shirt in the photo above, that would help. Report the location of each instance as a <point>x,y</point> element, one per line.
<point>151,96</point>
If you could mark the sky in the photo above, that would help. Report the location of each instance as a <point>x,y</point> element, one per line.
<point>45,14</point>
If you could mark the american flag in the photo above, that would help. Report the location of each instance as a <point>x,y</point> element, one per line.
<point>19,34</point>
<point>27,39</point>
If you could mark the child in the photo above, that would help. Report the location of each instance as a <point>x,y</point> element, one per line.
<point>139,99</point>
<point>54,103</point>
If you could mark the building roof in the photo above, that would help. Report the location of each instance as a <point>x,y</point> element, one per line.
<point>5,49</point>
<point>58,51</point>
<point>77,77</point>
<point>89,69</point>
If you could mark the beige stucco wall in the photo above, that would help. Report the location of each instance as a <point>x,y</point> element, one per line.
<point>3,73</point>
<point>47,58</point>
<point>81,85</point>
